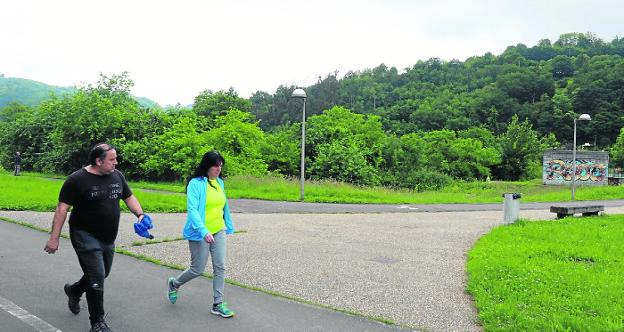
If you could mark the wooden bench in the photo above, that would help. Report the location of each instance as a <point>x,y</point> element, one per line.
<point>563,211</point>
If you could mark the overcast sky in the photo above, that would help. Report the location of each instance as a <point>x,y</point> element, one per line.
<point>175,49</point>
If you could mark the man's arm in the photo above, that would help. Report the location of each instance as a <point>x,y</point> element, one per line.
<point>60,214</point>
<point>133,204</point>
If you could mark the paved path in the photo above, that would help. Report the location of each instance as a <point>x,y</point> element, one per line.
<point>135,301</point>
<point>262,206</point>
<point>406,267</point>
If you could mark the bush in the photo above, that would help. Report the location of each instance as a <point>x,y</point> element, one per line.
<point>343,161</point>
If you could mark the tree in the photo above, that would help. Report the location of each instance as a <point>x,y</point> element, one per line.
<point>282,150</point>
<point>598,89</point>
<point>343,161</point>
<point>93,114</point>
<point>261,107</point>
<point>323,95</point>
<point>214,104</point>
<point>181,146</point>
<point>562,67</point>
<point>239,139</point>
<point>492,107</point>
<point>179,149</point>
<point>338,132</point>
<point>284,110</point>
<point>469,160</point>
<point>525,85</point>
<point>521,149</point>
<point>406,165</point>
<point>617,150</point>
<point>27,133</point>
<point>11,111</point>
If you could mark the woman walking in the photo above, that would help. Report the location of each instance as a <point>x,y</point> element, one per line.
<point>208,221</point>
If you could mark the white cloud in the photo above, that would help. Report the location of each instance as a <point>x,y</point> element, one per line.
<point>174,50</point>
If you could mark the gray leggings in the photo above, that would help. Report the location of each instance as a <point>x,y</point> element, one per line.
<point>199,258</point>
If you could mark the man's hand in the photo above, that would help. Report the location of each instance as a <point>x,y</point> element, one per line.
<point>51,246</point>
<point>57,224</point>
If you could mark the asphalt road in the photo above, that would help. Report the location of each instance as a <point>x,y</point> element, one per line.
<point>32,281</point>
<point>262,206</point>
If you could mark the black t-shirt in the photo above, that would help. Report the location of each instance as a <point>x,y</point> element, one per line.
<point>95,202</point>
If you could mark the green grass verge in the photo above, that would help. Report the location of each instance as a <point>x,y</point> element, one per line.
<point>147,242</point>
<point>565,275</point>
<point>25,224</point>
<point>34,192</point>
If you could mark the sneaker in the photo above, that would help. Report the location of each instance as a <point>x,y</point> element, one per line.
<point>222,310</point>
<point>172,292</point>
<point>100,326</point>
<point>73,301</point>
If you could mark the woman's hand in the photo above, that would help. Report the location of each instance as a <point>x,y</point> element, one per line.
<point>208,238</point>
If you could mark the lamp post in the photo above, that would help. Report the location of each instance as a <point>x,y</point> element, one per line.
<point>582,117</point>
<point>300,94</point>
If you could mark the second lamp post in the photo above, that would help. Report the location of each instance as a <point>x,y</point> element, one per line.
<point>300,94</point>
<point>582,117</point>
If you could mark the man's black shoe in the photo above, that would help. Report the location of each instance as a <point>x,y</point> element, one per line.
<point>73,301</point>
<point>100,326</point>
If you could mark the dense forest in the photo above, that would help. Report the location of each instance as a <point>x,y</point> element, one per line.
<point>422,127</point>
<point>545,84</point>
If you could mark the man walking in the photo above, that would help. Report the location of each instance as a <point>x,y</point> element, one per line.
<point>18,160</point>
<point>93,194</point>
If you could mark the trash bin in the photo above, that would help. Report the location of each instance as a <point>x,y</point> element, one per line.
<point>511,207</point>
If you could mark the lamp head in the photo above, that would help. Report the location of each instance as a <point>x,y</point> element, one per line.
<point>299,93</point>
<point>584,117</point>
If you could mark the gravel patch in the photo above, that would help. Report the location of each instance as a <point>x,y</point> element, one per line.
<point>166,226</point>
<point>409,268</point>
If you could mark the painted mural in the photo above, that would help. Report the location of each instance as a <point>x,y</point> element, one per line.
<point>586,170</point>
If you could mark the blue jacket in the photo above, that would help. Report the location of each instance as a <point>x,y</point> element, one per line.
<point>195,228</point>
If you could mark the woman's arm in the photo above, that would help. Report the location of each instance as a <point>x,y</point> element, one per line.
<point>193,201</point>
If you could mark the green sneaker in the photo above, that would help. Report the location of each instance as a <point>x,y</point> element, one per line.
<point>172,292</point>
<point>222,310</point>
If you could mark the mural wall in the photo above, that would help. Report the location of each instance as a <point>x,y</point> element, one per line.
<point>591,167</point>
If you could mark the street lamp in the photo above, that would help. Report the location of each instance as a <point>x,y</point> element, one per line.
<point>299,93</point>
<point>582,117</point>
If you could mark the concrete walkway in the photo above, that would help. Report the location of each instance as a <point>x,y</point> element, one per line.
<point>32,297</point>
<point>262,206</point>
<point>406,267</point>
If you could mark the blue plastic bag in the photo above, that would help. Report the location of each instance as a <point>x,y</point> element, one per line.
<point>142,227</point>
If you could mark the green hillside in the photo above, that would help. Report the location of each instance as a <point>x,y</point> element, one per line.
<point>32,93</point>
<point>27,92</point>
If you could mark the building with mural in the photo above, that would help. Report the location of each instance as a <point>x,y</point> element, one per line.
<point>591,167</point>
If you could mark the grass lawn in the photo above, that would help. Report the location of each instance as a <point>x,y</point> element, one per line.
<point>278,189</point>
<point>39,192</point>
<point>32,192</point>
<point>564,275</point>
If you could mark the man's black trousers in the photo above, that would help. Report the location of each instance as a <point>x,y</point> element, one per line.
<point>95,258</point>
